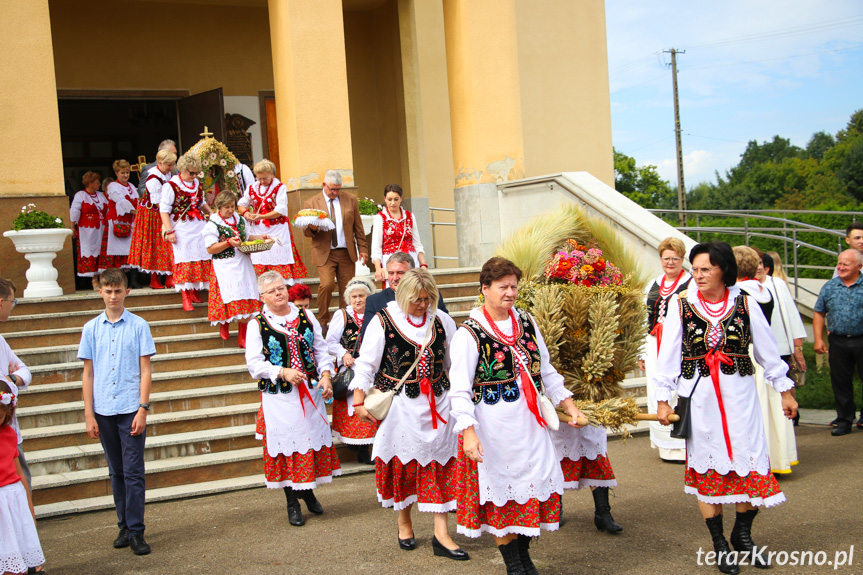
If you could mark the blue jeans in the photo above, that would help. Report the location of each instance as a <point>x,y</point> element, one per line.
<point>125,455</point>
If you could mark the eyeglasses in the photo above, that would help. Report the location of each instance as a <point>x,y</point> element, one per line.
<point>671,260</point>
<point>274,291</point>
<point>701,271</point>
<point>191,173</point>
<point>421,301</point>
<point>333,189</point>
<point>14,302</point>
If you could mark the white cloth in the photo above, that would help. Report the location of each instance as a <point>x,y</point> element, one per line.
<point>236,276</point>
<point>245,177</point>
<point>334,337</point>
<point>23,375</point>
<point>279,254</point>
<point>407,431</point>
<point>19,542</point>
<point>189,246</point>
<point>519,461</point>
<point>336,216</point>
<point>706,448</point>
<point>289,430</point>
<point>585,442</point>
<point>89,239</point>
<point>778,429</point>
<point>378,238</point>
<point>785,321</point>
<point>126,199</point>
<point>154,186</point>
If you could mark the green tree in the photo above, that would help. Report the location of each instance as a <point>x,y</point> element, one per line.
<point>755,154</point>
<point>642,184</point>
<point>818,144</point>
<point>850,173</point>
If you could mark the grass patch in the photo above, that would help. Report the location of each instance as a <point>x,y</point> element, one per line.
<point>818,393</point>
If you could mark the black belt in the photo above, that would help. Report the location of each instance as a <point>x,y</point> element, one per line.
<point>845,335</point>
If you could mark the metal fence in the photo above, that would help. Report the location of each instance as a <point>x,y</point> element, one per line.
<point>434,224</point>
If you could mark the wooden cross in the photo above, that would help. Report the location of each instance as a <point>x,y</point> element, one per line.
<point>139,167</point>
<point>206,133</point>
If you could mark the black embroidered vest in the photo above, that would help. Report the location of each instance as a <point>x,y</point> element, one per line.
<point>735,339</point>
<point>226,232</point>
<point>657,306</point>
<point>276,351</point>
<point>400,354</point>
<point>495,376</point>
<point>350,334</point>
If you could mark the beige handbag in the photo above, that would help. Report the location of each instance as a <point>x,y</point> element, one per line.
<point>546,407</point>
<point>378,402</point>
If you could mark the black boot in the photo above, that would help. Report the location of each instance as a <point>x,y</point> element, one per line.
<point>511,558</point>
<point>364,455</point>
<point>723,558</point>
<point>312,502</point>
<point>741,539</point>
<point>524,555</point>
<point>602,515</point>
<point>295,515</point>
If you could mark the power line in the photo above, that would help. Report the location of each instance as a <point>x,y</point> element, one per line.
<point>773,59</point>
<point>782,32</point>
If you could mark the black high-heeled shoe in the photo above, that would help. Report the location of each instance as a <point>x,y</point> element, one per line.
<point>454,554</point>
<point>408,544</point>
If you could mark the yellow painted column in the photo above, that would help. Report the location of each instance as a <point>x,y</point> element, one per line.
<point>310,78</point>
<point>484,88</point>
<point>31,162</point>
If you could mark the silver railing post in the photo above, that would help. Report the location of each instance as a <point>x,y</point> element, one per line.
<point>796,271</point>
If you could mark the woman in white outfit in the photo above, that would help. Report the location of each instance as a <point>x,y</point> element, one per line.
<point>87,213</point>
<point>122,206</point>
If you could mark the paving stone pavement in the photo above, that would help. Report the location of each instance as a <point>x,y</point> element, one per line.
<point>248,531</point>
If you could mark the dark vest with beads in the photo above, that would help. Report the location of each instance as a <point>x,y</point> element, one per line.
<point>225,233</point>
<point>735,339</point>
<point>655,309</point>
<point>276,351</point>
<point>495,376</point>
<point>350,334</point>
<point>400,352</point>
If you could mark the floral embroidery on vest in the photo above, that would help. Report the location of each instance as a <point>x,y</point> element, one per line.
<point>400,353</point>
<point>276,351</point>
<point>735,339</point>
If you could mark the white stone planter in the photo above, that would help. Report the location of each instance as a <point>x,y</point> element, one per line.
<point>362,270</point>
<point>40,248</point>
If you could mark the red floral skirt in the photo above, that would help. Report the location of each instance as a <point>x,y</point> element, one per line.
<point>149,252</point>
<point>107,262</point>
<point>432,487</point>
<point>287,271</point>
<point>587,472</point>
<point>350,428</point>
<point>301,470</point>
<point>89,266</point>
<point>472,518</point>
<point>196,273</point>
<point>219,312</point>
<point>713,487</point>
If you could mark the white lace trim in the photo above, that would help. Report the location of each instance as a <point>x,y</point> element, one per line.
<point>743,467</point>
<point>579,450</point>
<point>191,285</point>
<point>500,494</point>
<point>740,498</point>
<point>463,423</point>
<point>388,445</point>
<point>353,440</point>
<point>288,444</point>
<point>586,482</point>
<point>322,480</point>
<point>445,507</point>
<point>528,531</point>
<point>240,317</point>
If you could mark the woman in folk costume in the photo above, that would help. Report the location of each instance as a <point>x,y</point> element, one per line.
<point>87,213</point>
<point>674,279</point>
<point>287,354</point>
<point>395,230</point>
<point>184,212</point>
<point>705,356</point>
<point>234,292</point>
<point>342,336</point>
<point>406,346</point>
<point>265,205</point>
<point>122,206</point>
<point>150,252</point>
<point>509,476</point>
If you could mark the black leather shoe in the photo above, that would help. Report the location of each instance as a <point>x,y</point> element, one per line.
<point>138,545</point>
<point>312,503</point>
<point>122,539</point>
<point>454,554</point>
<point>834,422</point>
<point>364,455</point>
<point>842,428</point>
<point>408,544</point>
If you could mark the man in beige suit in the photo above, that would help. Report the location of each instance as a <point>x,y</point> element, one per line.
<point>335,252</point>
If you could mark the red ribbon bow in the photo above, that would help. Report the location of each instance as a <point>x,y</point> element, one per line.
<point>657,332</point>
<point>713,358</point>
<point>426,388</point>
<point>531,398</point>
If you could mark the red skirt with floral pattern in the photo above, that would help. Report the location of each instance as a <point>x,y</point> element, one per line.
<point>473,518</point>
<point>149,252</point>
<point>301,470</point>
<point>192,272</point>
<point>287,271</point>
<point>219,312</point>
<point>713,487</point>
<point>432,486</point>
<point>350,428</point>
<point>596,472</point>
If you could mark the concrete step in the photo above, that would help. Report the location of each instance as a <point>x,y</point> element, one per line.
<point>198,489</point>
<point>71,371</point>
<point>30,417</point>
<point>40,321</point>
<point>62,392</point>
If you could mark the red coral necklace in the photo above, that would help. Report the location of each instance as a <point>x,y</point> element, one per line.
<point>420,324</point>
<point>506,339</point>
<point>667,291</point>
<point>715,312</point>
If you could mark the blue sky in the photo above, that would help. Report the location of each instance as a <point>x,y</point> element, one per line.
<point>752,70</point>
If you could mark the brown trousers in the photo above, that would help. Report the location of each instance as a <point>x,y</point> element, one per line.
<point>339,268</point>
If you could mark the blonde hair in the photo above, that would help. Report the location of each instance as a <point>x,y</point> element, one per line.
<point>166,157</point>
<point>189,162</point>
<point>778,272</point>
<point>356,283</point>
<point>414,281</point>
<point>672,244</point>
<point>747,261</point>
<point>224,199</point>
<point>105,183</point>
<point>120,165</point>
<point>264,166</point>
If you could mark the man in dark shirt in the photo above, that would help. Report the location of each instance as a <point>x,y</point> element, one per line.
<point>841,304</point>
<point>397,265</point>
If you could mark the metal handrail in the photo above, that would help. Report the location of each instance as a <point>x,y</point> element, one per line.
<point>433,223</point>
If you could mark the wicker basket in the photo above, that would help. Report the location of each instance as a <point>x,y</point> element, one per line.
<point>253,248</point>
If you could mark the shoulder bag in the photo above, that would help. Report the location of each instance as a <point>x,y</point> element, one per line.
<point>344,377</point>
<point>546,407</point>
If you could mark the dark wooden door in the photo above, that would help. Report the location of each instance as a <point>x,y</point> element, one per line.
<point>198,111</point>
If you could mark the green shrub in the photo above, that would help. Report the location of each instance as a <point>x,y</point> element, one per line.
<point>32,219</point>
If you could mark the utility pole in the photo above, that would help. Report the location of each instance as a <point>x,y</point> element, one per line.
<point>681,188</point>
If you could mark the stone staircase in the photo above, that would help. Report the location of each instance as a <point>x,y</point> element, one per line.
<point>200,431</point>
